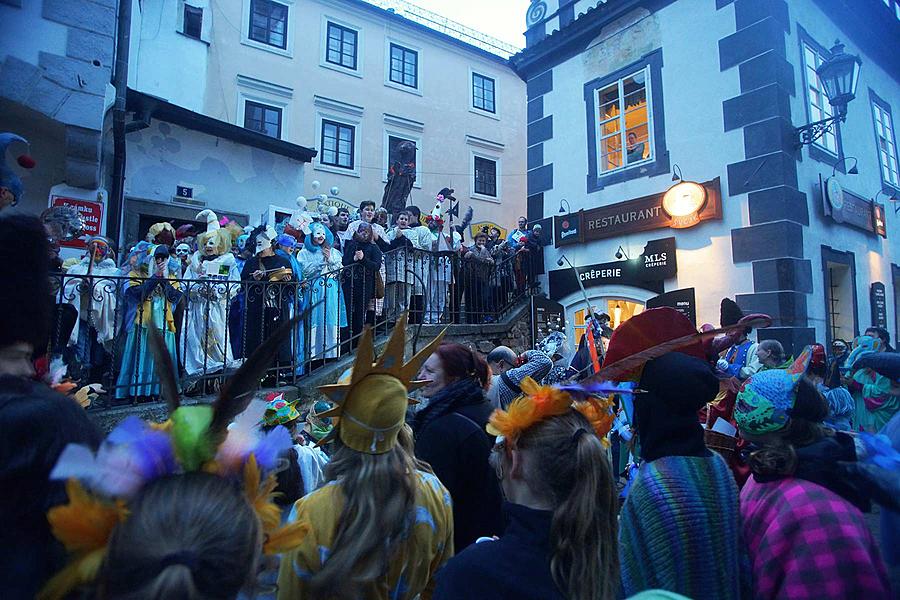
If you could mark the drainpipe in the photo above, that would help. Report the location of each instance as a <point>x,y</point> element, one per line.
<point>120,81</point>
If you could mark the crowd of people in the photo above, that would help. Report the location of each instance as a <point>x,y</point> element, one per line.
<point>679,463</point>
<point>216,294</point>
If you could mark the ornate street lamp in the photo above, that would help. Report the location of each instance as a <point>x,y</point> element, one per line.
<point>840,76</point>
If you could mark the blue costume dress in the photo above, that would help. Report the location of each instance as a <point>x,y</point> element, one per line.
<point>325,294</point>
<point>298,340</point>
<point>149,302</point>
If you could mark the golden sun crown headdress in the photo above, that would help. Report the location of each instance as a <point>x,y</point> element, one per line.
<point>540,402</point>
<point>372,404</point>
<point>224,438</point>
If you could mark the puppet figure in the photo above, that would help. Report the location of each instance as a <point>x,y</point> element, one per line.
<point>214,283</point>
<point>150,300</point>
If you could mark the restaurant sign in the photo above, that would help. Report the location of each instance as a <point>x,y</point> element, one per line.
<point>878,304</point>
<point>847,208</point>
<point>647,271</point>
<point>641,214</point>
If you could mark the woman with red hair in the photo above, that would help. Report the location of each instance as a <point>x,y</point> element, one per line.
<point>450,436</point>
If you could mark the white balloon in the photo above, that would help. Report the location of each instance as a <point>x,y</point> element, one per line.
<point>315,185</point>
<point>335,191</point>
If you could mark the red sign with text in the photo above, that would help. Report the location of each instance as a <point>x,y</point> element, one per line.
<point>91,213</point>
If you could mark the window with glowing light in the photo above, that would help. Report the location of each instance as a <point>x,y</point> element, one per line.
<point>626,310</point>
<point>624,128</point>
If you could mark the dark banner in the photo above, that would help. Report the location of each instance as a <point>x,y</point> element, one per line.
<point>683,301</point>
<point>878,301</point>
<point>647,271</point>
<point>632,216</point>
<point>547,316</point>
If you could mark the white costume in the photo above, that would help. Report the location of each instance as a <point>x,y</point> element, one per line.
<point>204,334</point>
<point>94,298</point>
<point>440,270</point>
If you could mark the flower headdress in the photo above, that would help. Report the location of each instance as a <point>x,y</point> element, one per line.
<point>194,438</point>
<point>540,402</point>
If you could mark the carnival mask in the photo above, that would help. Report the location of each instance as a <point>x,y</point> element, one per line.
<point>182,251</point>
<point>262,243</point>
<point>242,241</point>
<point>210,248</point>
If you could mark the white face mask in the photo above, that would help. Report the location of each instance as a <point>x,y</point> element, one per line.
<point>182,250</point>
<point>262,243</point>
<point>319,237</point>
<point>210,246</point>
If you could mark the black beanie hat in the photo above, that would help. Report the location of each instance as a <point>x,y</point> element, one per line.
<point>729,312</point>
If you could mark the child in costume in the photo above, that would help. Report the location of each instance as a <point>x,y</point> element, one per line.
<point>679,529</point>
<point>214,282</point>
<point>178,509</point>
<point>560,538</point>
<point>801,508</point>
<point>150,300</point>
<point>381,527</point>
<point>320,264</point>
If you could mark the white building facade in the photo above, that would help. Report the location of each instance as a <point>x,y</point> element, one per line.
<point>352,81</point>
<point>622,93</point>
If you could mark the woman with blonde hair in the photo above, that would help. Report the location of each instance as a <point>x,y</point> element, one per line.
<point>380,527</point>
<point>560,539</point>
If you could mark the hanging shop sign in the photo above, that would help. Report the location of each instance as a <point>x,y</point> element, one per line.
<point>547,316</point>
<point>683,205</point>
<point>878,303</point>
<point>91,214</point>
<point>647,271</point>
<point>684,301</point>
<point>850,209</point>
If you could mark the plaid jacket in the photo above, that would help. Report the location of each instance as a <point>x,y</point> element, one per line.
<point>805,541</point>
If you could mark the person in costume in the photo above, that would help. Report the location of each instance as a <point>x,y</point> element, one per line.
<point>561,504</point>
<point>163,234</point>
<point>440,270</point>
<point>418,259</point>
<point>479,265</point>
<point>94,297</point>
<point>215,278</point>
<point>36,423</point>
<point>362,259</point>
<point>286,246</point>
<point>450,436</point>
<point>267,300</point>
<point>178,509</point>
<point>801,509</point>
<point>740,360</point>
<point>320,264</point>
<point>11,189</point>
<point>683,496</point>
<point>840,402</point>
<point>505,387</point>
<point>875,401</point>
<point>397,261</point>
<point>150,300</point>
<point>382,526</point>
<point>307,461</point>
<point>242,252</point>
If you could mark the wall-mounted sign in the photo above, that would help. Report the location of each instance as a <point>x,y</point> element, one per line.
<point>683,301</point>
<point>477,227</point>
<point>91,213</point>
<point>878,301</point>
<point>683,205</point>
<point>547,316</point>
<point>184,192</point>
<point>850,209</point>
<point>647,271</point>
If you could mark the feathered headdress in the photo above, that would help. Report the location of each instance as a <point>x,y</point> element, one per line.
<point>540,402</point>
<point>194,438</point>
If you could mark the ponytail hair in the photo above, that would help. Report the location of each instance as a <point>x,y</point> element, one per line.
<point>568,463</point>
<point>777,456</point>
<point>380,494</point>
<point>190,536</point>
<point>461,362</point>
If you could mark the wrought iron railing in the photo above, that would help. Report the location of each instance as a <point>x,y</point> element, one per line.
<point>210,325</point>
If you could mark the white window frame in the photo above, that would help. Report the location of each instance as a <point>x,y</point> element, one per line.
<point>248,41</point>
<point>264,92</point>
<point>328,109</point>
<point>815,112</point>
<point>420,71</point>
<point>323,54</point>
<point>885,136</point>
<point>472,108</point>
<point>623,130</point>
<point>204,24</point>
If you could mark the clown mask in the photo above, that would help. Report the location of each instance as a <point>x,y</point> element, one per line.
<point>99,250</point>
<point>211,246</point>
<point>182,251</point>
<point>263,243</point>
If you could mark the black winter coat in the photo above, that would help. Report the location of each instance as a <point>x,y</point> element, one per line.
<point>450,436</point>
